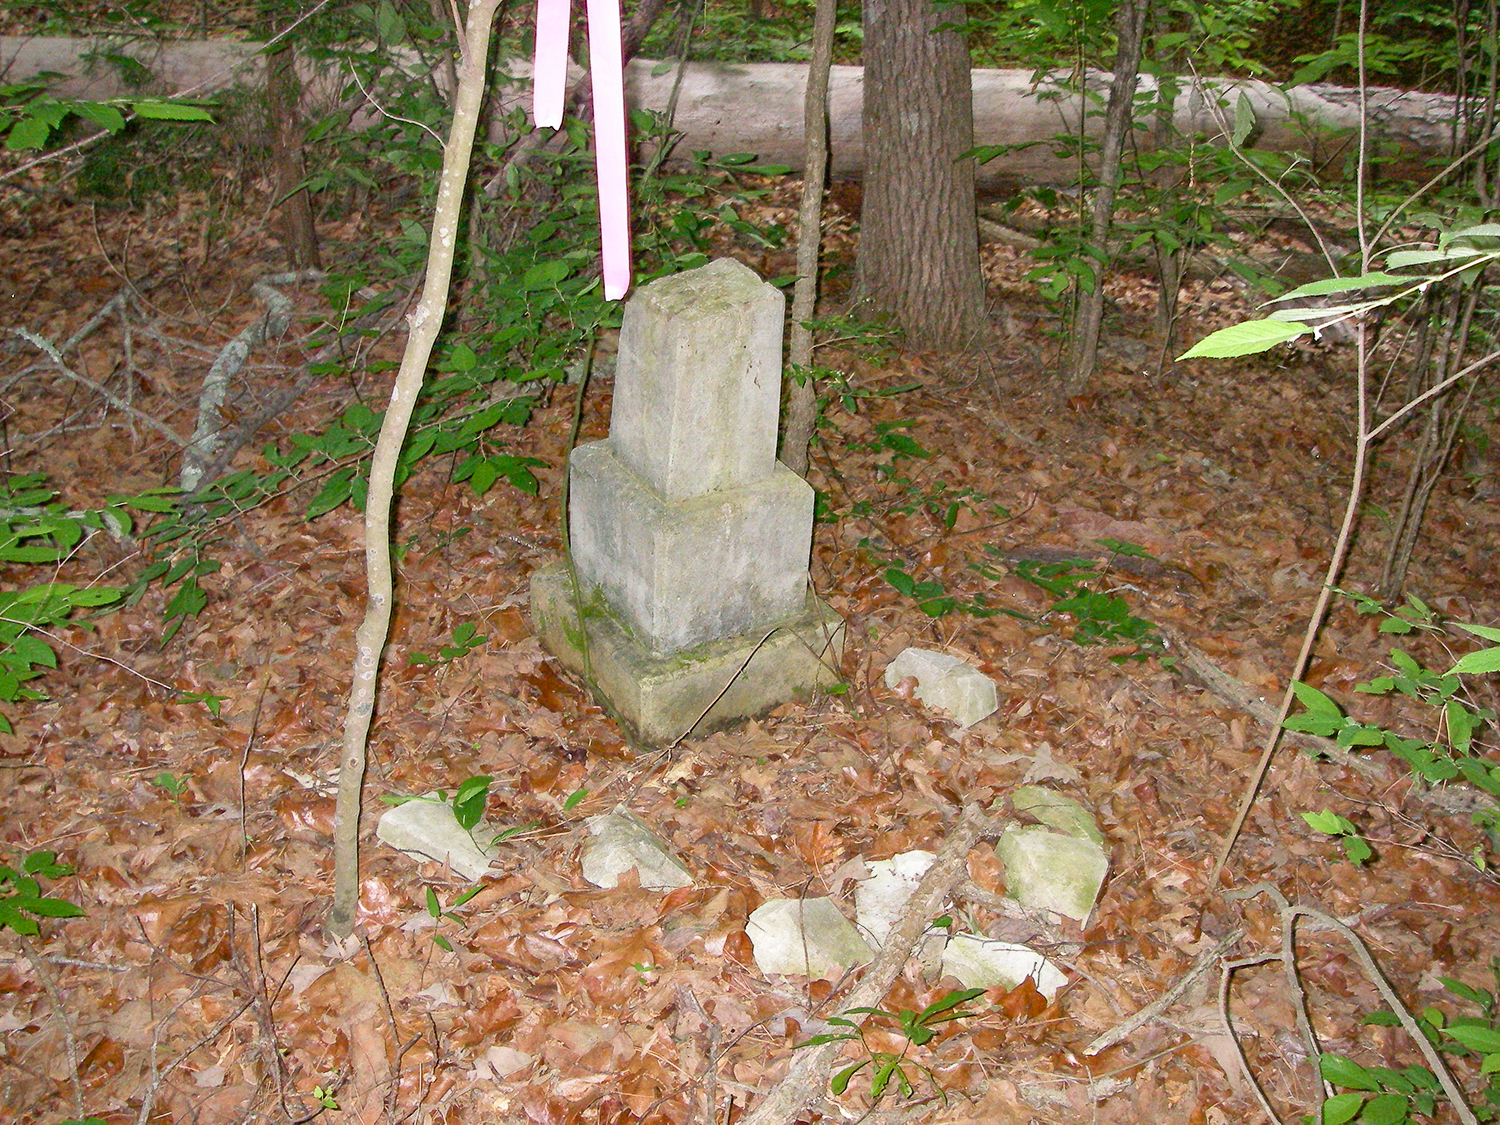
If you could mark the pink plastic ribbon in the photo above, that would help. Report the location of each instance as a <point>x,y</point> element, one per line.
<point>549,79</point>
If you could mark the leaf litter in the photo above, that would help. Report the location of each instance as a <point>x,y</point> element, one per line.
<point>199,986</point>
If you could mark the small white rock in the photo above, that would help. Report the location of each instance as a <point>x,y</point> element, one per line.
<point>979,963</point>
<point>879,899</point>
<point>804,937</point>
<point>946,682</point>
<point>425,829</point>
<point>621,841</point>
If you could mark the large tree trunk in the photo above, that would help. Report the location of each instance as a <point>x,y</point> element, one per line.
<point>919,235</point>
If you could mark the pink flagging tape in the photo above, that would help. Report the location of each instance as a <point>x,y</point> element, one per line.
<point>605,54</point>
<point>549,81</point>
<point>549,69</point>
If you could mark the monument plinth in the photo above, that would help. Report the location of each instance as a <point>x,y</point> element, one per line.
<point>690,541</point>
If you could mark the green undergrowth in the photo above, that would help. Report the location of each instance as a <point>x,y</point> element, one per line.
<point>528,310</point>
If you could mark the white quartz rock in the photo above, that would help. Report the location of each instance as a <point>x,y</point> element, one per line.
<point>880,899</point>
<point>425,828</point>
<point>804,937</point>
<point>947,683</point>
<point>978,963</point>
<point>621,841</point>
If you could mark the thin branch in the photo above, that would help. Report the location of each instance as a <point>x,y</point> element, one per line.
<point>109,396</point>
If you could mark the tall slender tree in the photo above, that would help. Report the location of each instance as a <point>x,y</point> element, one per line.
<point>919,238</point>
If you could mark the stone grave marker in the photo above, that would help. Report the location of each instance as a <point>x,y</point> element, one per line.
<point>690,541</point>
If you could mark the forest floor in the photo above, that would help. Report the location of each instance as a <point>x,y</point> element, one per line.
<point>198,985</point>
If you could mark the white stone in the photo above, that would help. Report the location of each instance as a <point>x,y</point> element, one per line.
<point>979,963</point>
<point>1046,870</point>
<point>880,899</point>
<point>804,937</point>
<point>947,683</point>
<point>698,380</point>
<point>425,828</point>
<point>621,841</point>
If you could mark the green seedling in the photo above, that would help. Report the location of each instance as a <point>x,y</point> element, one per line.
<point>438,912</point>
<point>21,898</point>
<point>174,785</point>
<point>323,1095</point>
<point>1098,617</point>
<point>918,1028</point>
<point>207,698</point>
<point>1356,850</point>
<point>466,639</point>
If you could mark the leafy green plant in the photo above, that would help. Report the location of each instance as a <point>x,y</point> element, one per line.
<point>30,116</point>
<point>918,1029</point>
<point>1453,749</point>
<point>174,785</point>
<point>1356,849</point>
<point>323,1095</point>
<point>1099,616</point>
<point>21,898</point>
<point>439,912</point>
<point>466,638</point>
<point>38,530</point>
<point>1378,1095</point>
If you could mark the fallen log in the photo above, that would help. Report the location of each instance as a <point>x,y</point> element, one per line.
<point>725,108</point>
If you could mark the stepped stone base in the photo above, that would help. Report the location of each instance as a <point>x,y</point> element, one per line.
<point>683,572</point>
<point>699,689</point>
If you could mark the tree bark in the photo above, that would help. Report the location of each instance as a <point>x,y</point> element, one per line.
<point>426,320</point>
<point>299,237</point>
<point>802,399</point>
<point>1130,27</point>
<point>919,235</point>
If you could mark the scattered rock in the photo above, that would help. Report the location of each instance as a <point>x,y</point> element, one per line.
<point>879,900</point>
<point>622,841</point>
<point>947,683</point>
<point>1046,870</point>
<point>425,828</point>
<point>1057,811</point>
<point>804,937</point>
<point>979,963</point>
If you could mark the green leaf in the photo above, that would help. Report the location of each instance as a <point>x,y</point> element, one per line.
<point>1342,1071</point>
<point>54,908</point>
<point>1477,663</point>
<point>574,799</point>
<point>1384,1109</point>
<point>1485,1040</point>
<point>882,1076</point>
<point>170,111</point>
<point>28,134</point>
<point>840,1081</point>
<point>1488,632</point>
<point>1340,285</point>
<point>1341,1108</point>
<point>1331,824</point>
<point>433,906</point>
<point>102,114</point>
<point>1246,339</point>
<point>1244,120</point>
<point>1315,701</point>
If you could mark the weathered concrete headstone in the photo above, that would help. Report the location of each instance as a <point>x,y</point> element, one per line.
<point>690,541</point>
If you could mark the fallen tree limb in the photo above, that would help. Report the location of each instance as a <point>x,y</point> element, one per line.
<point>809,1073</point>
<point>208,432</point>
<point>757,107</point>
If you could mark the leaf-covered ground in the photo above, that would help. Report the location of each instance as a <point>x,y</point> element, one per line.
<point>199,986</point>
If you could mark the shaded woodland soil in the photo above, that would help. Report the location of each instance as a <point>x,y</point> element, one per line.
<point>199,985</point>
